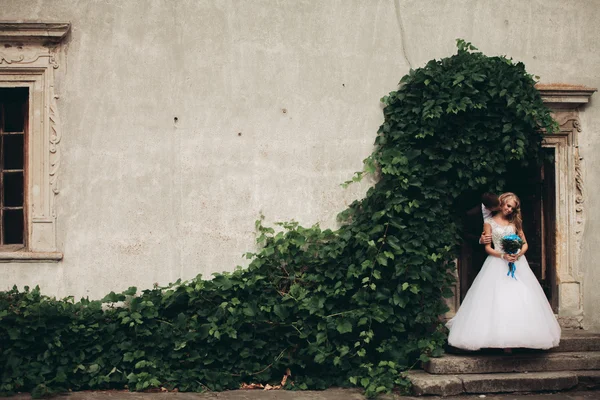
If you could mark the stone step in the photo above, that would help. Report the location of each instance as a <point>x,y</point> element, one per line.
<point>570,341</point>
<point>588,380</point>
<point>424,383</point>
<point>578,341</point>
<point>527,362</point>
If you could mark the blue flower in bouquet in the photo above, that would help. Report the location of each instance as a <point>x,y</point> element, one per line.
<point>512,244</point>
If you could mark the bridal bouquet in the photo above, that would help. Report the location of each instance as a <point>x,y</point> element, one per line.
<point>512,245</point>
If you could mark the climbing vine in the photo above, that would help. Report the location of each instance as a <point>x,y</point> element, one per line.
<point>355,306</point>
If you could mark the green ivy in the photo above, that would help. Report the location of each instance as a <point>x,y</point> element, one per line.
<point>356,306</point>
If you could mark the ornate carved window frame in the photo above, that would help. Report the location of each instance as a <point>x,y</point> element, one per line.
<point>565,102</point>
<point>28,58</point>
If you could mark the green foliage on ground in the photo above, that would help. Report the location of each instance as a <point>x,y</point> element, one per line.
<point>355,306</point>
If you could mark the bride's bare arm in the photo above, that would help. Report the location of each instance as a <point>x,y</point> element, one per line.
<point>487,230</point>
<point>525,245</point>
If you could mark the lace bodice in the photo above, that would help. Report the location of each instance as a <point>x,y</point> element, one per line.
<point>499,231</point>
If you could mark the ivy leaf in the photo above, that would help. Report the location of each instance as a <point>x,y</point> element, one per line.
<point>382,259</point>
<point>458,79</point>
<point>344,326</point>
<point>280,311</point>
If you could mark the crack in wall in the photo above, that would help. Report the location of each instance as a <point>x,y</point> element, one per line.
<point>402,33</point>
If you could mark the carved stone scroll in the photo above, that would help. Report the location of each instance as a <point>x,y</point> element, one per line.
<point>55,136</point>
<point>8,59</point>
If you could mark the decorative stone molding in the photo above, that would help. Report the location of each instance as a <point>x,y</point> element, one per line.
<point>565,101</point>
<point>20,59</point>
<point>55,136</point>
<point>568,121</point>
<point>39,32</point>
<point>560,95</point>
<point>26,256</point>
<point>28,59</point>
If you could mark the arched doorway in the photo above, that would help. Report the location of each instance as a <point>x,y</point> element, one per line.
<point>553,205</point>
<point>536,187</point>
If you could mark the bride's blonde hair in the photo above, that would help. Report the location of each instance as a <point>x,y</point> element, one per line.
<point>515,216</point>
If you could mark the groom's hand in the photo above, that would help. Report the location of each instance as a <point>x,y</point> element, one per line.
<point>485,239</point>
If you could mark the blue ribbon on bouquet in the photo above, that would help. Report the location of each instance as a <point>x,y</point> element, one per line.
<point>512,268</point>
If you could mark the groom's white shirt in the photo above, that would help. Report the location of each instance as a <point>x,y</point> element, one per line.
<point>486,213</point>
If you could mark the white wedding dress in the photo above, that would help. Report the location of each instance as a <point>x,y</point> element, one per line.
<point>502,312</point>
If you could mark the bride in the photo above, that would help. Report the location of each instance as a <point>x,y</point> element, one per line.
<point>500,311</point>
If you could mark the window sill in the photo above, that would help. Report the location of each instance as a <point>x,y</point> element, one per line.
<point>26,256</point>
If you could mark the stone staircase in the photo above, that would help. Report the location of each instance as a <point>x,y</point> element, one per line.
<point>575,364</point>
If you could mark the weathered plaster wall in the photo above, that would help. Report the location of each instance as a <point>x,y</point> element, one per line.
<point>277,102</point>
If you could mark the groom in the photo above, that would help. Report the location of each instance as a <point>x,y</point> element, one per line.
<point>473,233</point>
<point>476,215</point>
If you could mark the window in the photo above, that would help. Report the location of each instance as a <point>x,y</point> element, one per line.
<point>13,136</point>
<point>30,53</point>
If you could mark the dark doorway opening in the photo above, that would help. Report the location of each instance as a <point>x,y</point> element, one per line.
<point>536,187</point>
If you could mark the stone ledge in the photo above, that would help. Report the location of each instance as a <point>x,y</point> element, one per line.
<point>579,340</point>
<point>533,362</point>
<point>439,385</point>
<point>560,93</point>
<point>53,32</point>
<point>450,385</point>
<point>588,380</point>
<point>519,382</point>
<point>26,256</point>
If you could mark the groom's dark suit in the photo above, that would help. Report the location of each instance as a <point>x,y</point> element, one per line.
<point>473,225</point>
<point>472,229</point>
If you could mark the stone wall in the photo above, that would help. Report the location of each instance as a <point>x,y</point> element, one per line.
<point>183,121</point>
